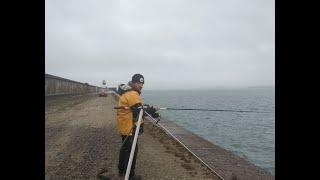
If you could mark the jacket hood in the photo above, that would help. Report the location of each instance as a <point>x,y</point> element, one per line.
<point>124,88</point>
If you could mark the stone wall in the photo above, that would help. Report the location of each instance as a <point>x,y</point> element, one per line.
<point>55,85</point>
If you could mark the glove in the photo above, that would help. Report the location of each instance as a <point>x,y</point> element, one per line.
<point>140,129</point>
<point>152,110</point>
<point>148,106</point>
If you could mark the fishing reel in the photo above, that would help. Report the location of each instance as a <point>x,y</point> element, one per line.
<point>152,112</point>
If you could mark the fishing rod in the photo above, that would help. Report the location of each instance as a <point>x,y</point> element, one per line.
<point>199,109</point>
<point>226,110</point>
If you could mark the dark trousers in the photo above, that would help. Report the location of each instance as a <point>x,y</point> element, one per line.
<point>125,154</point>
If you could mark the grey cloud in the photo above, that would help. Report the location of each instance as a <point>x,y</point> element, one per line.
<point>196,43</point>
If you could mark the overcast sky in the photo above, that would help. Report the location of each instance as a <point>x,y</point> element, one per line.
<point>175,44</point>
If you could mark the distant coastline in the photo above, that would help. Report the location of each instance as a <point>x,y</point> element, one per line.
<point>260,86</point>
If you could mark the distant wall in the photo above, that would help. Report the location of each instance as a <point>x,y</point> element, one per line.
<point>115,95</point>
<point>55,85</point>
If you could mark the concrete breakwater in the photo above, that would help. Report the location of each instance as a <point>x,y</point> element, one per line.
<point>84,112</point>
<point>81,142</point>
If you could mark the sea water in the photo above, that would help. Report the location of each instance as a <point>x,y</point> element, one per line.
<point>249,135</point>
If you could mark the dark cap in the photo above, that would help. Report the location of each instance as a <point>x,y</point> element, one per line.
<point>137,78</point>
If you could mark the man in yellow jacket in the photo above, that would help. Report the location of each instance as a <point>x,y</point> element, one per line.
<point>126,119</point>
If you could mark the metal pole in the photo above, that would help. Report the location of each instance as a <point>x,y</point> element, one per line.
<point>133,145</point>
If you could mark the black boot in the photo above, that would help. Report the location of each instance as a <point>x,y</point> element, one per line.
<point>135,177</point>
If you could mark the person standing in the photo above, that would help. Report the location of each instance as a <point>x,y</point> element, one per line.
<point>126,121</point>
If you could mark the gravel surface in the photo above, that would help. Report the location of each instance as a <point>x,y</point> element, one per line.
<point>81,142</point>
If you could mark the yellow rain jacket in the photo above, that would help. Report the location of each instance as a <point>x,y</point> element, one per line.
<point>125,116</point>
